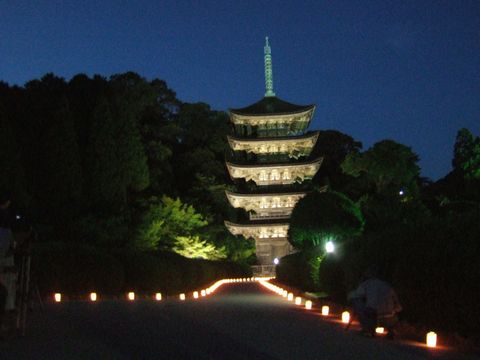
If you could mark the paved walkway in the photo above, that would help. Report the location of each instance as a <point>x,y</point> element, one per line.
<point>241,321</point>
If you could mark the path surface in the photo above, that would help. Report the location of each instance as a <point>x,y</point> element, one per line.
<point>241,321</point>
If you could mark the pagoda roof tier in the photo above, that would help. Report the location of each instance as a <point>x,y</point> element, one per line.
<point>275,174</point>
<point>271,105</point>
<point>265,202</point>
<point>259,231</point>
<point>271,110</point>
<point>294,146</point>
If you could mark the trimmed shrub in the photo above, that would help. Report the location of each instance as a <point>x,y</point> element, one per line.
<point>75,269</point>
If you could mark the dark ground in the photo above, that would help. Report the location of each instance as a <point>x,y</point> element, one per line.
<point>241,321</point>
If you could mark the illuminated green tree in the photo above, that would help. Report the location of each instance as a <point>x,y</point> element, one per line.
<point>166,220</point>
<point>195,248</point>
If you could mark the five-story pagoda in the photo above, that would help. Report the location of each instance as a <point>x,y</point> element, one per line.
<point>269,163</point>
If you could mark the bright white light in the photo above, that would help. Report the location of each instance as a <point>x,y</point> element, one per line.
<point>298,300</point>
<point>182,297</point>
<point>325,310</point>
<point>379,330</point>
<point>195,294</point>
<point>93,296</point>
<point>131,296</point>
<point>308,305</point>
<point>431,339</point>
<point>401,193</point>
<point>330,247</point>
<point>158,296</point>
<point>203,293</point>
<point>276,261</point>
<point>58,297</point>
<point>290,297</point>
<point>345,317</point>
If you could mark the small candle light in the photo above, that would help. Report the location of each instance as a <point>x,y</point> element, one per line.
<point>308,305</point>
<point>325,310</point>
<point>93,296</point>
<point>182,297</point>
<point>345,317</point>
<point>131,296</point>
<point>58,297</point>
<point>431,339</point>
<point>380,330</point>
<point>158,296</point>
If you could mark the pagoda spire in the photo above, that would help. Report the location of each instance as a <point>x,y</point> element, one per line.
<point>268,70</point>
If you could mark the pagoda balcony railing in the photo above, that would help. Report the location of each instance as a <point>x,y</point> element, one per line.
<point>270,216</point>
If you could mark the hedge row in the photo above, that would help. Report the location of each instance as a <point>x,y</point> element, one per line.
<point>76,269</point>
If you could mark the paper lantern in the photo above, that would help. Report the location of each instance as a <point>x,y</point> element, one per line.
<point>93,296</point>
<point>308,305</point>
<point>158,296</point>
<point>431,339</point>
<point>380,330</point>
<point>298,300</point>
<point>195,294</point>
<point>325,310</point>
<point>182,297</point>
<point>131,296</point>
<point>203,293</point>
<point>58,297</point>
<point>290,297</point>
<point>345,317</point>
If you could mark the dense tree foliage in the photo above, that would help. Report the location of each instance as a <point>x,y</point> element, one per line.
<point>321,217</point>
<point>422,235</point>
<point>100,161</point>
<point>388,165</point>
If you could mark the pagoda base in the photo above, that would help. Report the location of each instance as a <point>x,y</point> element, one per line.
<point>272,248</point>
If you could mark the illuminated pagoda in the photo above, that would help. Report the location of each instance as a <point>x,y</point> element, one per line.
<point>270,160</point>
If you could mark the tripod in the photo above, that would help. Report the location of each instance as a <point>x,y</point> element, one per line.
<point>24,293</point>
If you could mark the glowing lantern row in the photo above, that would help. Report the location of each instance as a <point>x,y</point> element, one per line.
<point>158,296</point>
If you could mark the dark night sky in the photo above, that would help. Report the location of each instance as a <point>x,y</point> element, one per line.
<point>404,70</point>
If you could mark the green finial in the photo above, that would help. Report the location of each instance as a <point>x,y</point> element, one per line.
<point>268,70</point>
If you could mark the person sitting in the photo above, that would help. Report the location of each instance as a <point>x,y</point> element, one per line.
<point>375,303</point>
